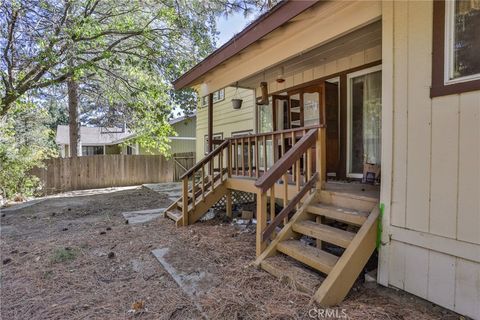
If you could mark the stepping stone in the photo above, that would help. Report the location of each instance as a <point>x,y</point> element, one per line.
<point>142,216</point>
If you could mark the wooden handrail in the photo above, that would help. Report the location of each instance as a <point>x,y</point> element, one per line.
<point>278,132</point>
<point>286,210</point>
<point>284,163</point>
<point>206,159</point>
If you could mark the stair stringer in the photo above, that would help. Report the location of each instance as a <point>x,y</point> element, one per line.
<point>340,280</point>
<point>287,231</point>
<point>202,206</point>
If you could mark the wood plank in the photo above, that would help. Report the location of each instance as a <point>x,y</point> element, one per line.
<point>349,216</point>
<point>324,232</point>
<point>441,279</point>
<point>280,167</point>
<point>287,231</point>
<point>297,275</point>
<point>419,114</point>
<point>416,270</point>
<point>396,265</point>
<point>338,283</point>
<point>287,209</point>
<point>444,175</point>
<point>467,290</point>
<point>261,221</point>
<point>468,219</point>
<point>347,200</point>
<point>311,256</point>
<point>461,249</point>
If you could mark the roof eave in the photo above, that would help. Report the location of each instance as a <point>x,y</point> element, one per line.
<point>266,23</point>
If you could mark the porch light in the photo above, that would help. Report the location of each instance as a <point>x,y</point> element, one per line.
<point>280,78</point>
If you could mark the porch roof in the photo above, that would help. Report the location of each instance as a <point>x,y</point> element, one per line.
<point>312,37</point>
<point>269,21</point>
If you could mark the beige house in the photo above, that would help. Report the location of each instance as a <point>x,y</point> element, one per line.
<point>332,92</point>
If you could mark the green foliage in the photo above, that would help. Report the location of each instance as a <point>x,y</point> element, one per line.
<point>25,141</point>
<point>61,255</point>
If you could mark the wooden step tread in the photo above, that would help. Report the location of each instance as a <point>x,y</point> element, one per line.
<point>174,215</point>
<point>293,272</point>
<point>311,256</point>
<point>323,232</point>
<point>350,216</point>
<point>348,200</point>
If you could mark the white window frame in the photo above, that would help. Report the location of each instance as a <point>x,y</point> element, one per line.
<point>350,76</point>
<point>215,136</point>
<point>218,96</point>
<point>449,41</point>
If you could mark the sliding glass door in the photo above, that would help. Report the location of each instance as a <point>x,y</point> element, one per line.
<point>364,120</point>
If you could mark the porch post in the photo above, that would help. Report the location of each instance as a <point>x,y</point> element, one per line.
<point>261,221</point>
<point>321,155</point>
<point>210,129</point>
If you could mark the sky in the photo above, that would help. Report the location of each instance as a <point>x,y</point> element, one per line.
<point>231,25</point>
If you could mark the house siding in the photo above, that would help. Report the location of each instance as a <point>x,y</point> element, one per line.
<point>225,119</point>
<point>433,207</point>
<point>185,128</point>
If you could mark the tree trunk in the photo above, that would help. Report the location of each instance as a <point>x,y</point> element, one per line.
<point>73,117</point>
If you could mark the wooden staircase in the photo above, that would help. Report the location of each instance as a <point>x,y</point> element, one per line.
<point>343,228</point>
<point>324,245</point>
<point>206,195</point>
<point>203,186</point>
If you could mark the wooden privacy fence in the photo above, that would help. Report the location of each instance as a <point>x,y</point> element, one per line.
<point>181,163</point>
<point>101,171</point>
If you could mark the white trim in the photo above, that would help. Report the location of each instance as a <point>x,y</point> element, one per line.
<point>350,76</point>
<point>387,138</point>
<point>448,49</point>
<point>453,247</point>
<point>182,138</point>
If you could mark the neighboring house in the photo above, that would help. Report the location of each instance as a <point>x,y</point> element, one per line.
<point>98,140</point>
<point>184,140</point>
<point>95,141</point>
<point>390,84</point>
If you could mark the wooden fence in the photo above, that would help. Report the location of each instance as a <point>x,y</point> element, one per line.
<point>181,163</point>
<point>101,171</point>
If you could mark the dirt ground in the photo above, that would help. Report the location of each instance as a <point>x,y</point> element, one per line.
<point>75,258</point>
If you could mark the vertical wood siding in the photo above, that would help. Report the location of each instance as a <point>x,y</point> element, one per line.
<point>435,187</point>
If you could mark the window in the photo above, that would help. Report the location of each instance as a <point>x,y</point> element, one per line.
<point>456,44</point>
<point>91,150</point>
<point>130,150</point>
<point>216,136</point>
<point>463,40</point>
<point>265,117</point>
<point>217,97</point>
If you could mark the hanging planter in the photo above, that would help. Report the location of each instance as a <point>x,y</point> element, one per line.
<point>236,103</point>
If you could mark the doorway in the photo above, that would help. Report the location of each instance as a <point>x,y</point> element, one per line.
<point>364,115</point>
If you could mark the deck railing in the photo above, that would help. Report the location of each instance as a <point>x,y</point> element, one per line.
<point>290,157</point>
<point>203,177</point>
<point>253,155</point>
<point>310,150</point>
